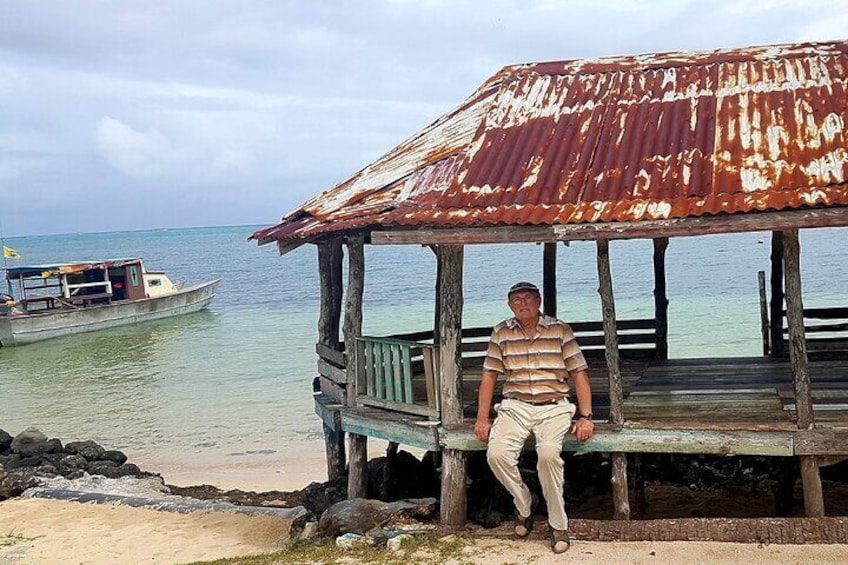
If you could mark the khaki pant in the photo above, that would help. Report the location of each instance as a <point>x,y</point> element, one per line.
<point>515,422</point>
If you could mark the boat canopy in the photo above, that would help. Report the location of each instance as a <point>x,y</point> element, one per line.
<point>52,269</point>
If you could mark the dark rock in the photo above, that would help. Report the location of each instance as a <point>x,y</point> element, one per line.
<point>13,484</point>
<point>114,455</point>
<point>360,515</point>
<point>52,459</point>
<point>72,466</point>
<point>130,470</point>
<point>91,450</point>
<point>16,461</point>
<point>54,446</point>
<point>30,442</point>
<point>5,441</point>
<point>106,469</point>
<point>45,471</point>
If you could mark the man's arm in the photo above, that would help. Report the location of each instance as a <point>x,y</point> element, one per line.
<point>582,428</point>
<point>483,424</point>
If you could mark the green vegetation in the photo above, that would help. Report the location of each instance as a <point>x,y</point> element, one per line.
<point>10,539</point>
<point>423,550</point>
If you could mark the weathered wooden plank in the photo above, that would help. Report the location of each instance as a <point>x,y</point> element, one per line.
<point>660,297</point>
<point>388,376</point>
<point>397,373</point>
<point>332,372</point>
<point>330,283</point>
<point>328,411</point>
<point>406,368</point>
<point>623,339</point>
<point>549,286</point>
<point>335,392</point>
<point>334,442</point>
<point>357,484</point>
<point>396,430</point>
<point>731,442</point>
<point>776,304</point>
<point>430,381</point>
<point>821,442</point>
<point>676,227</point>
<point>810,476</point>
<point>764,317</point>
<point>453,492</point>
<point>330,354</point>
<point>370,380</point>
<point>417,409</point>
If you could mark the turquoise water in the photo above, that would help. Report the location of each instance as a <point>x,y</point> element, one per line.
<point>230,388</point>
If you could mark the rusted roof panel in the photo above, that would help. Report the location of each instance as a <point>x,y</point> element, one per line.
<point>613,140</point>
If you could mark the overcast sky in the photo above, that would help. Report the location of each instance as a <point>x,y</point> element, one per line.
<point>129,115</point>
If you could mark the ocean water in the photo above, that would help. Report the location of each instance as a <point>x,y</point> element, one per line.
<point>229,389</point>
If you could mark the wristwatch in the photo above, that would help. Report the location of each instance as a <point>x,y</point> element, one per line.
<point>585,416</point>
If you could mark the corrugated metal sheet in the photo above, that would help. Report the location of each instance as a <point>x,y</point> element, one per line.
<point>622,139</point>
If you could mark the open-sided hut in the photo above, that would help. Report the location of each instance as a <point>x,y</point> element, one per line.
<point>650,146</point>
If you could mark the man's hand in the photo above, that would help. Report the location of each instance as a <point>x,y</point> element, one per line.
<point>482,429</point>
<point>582,429</point>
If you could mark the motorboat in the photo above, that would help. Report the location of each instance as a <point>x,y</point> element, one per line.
<point>62,299</point>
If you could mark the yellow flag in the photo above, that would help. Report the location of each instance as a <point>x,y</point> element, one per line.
<point>10,253</point>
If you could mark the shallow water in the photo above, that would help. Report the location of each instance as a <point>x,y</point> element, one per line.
<point>229,390</point>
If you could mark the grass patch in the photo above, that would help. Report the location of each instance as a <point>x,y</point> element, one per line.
<point>10,539</point>
<point>423,550</point>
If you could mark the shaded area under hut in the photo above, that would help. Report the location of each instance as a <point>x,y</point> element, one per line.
<point>645,147</point>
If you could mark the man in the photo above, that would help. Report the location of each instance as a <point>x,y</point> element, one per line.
<point>537,354</point>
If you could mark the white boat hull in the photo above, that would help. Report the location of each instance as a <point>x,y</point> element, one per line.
<point>20,330</point>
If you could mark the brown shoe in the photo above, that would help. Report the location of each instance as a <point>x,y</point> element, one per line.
<point>560,542</point>
<point>523,526</point>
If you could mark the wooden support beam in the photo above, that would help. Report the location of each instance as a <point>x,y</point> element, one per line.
<point>330,256</point>
<point>764,316</point>
<point>676,227</point>
<point>357,478</point>
<point>549,283</point>
<point>453,496</point>
<point>660,297</point>
<point>330,283</point>
<point>810,476</point>
<point>776,308</point>
<point>621,499</point>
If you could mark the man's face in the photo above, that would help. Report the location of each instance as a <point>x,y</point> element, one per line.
<point>524,303</point>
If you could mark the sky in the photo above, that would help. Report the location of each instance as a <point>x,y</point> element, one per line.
<point>125,115</point>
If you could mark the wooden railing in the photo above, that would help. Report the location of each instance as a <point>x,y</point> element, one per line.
<point>636,338</point>
<point>826,330</point>
<point>388,370</point>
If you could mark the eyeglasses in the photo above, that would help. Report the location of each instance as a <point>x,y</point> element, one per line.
<point>522,300</point>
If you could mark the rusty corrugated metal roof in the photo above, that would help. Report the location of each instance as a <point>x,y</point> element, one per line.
<point>622,139</point>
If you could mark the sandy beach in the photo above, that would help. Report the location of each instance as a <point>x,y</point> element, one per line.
<point>68,533</point>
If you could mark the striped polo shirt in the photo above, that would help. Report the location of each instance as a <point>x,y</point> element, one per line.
<point>531,364</point>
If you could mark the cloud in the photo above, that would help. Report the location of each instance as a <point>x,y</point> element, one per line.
<point>241,111</point>
<point>134,153</point>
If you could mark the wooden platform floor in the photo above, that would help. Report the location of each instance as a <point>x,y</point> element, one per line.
<point>742,406</point>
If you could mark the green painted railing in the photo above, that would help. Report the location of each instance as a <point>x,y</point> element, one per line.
<point>387,371</point>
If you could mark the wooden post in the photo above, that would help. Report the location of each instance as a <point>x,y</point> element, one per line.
<point>549,286</point>
<point>810,476</point>
<point>660,297</point>
<point>776,309</point>
<point>621,500</point>
<point>330,282</point>
<point>764,316</point>
<point>453,503</point>
<point>357,478</point>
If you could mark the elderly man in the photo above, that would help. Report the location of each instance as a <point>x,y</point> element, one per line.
<point>538,355</point>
